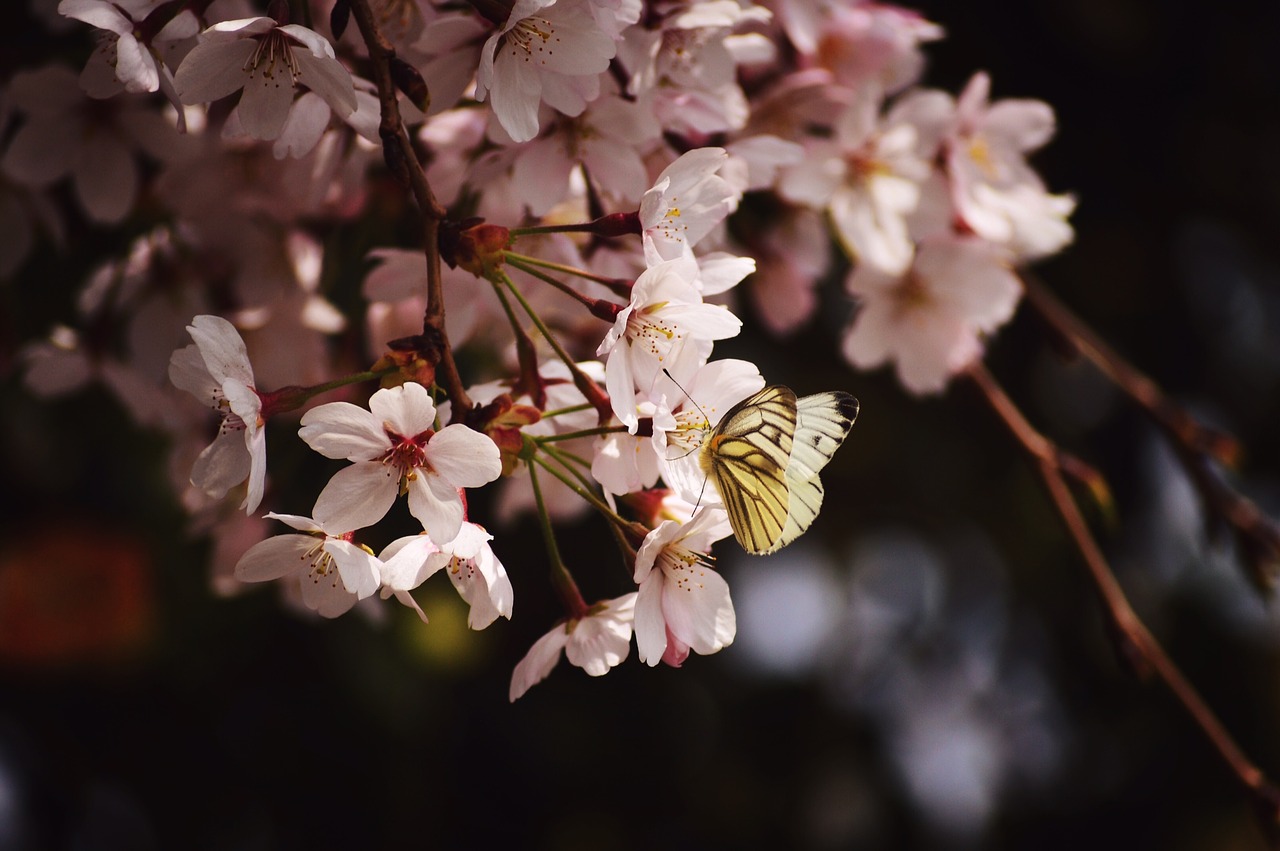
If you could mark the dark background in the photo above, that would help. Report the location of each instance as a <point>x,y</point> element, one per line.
<point>925,669</point>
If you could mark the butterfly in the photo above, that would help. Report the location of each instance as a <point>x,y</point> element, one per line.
<point>764,457</point>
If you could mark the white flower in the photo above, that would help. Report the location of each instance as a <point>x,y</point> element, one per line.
<point>869,176</point>
<point>595,642</point>
<point>682,604</point>
<point>686,201</point>
<point>332,571</point>
<point>548,50</point>
<point>930,319</point>
<point>216,370</point>
<point>666,325</point>
<point>92,142</point>
<point>477,575</point>
<point>122,62</point>
<point>394,444</point>
<point>997,194</point>
<point>403,566</point>
<point>268,61</point>
<point>686,73</point>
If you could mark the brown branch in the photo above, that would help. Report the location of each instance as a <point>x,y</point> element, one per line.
<point>1195,443</point>
<point>403,161</point>
<point>1138,645</point>
<point>1177,422</point>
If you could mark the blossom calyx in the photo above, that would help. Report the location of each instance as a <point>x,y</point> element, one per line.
<point>475,246</point>
<point>415,357</point>
<point>502,420</point>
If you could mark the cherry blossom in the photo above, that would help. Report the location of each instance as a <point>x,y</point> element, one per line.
<point>548,50</point>
<point>268,61</point>
<point>93,143</point>
<point>929,320</point>
<point>996,193</point>
<point>123,61</point>
<point>686,201</point>
<point>395,445</point>
<point>332,572</point>
<point>608,140</point>
<point>596,642</point>
<point>477,575</point>
<point>869,175</point>
<point>686,72</point>
<point>682,604</point>
<point>870,43</point>
<point>216,370</point>
<point>666,325</point>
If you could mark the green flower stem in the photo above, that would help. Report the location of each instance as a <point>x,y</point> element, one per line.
<point>581,380</point>
<point>572,409</point>
<point>572,481</point>
<point>291,398</point>
<point>561,579</point>
<point>522,261</point>
<point>526,352</point>
<point>586,432</point>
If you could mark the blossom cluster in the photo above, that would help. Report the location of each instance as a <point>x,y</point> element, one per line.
<point>679,161</point>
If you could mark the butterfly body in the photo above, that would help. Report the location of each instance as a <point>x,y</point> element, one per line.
<point>764,458</point>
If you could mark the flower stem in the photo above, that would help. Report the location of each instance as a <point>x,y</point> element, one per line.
<point>597,397</point>
<point>1137,645</point>
<point>522,260</point>
<point>561,579</point>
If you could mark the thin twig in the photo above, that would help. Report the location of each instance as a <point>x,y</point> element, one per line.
<point>1139,645</point>
<point>403,161</point>
<point>1196,444</point>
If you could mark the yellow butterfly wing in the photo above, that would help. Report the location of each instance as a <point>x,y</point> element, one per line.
<point>746,458</point>
<point>822,423</point>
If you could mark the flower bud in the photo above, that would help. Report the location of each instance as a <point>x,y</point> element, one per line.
<point>481,249</point>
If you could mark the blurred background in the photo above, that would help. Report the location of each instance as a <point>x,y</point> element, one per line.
<point>925,669</point>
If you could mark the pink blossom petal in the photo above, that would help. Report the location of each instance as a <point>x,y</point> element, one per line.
<point>106,178</point>
<point>650,625</point>
<point>406,562</point>
<point>302,129</point>
<point>538,663</point>
<point>357,496</point>
<point>358,569</point>
<point>222,465</point>
<point>135,66</point>
<point>213,70</point>
<point>514,96</point>
<point>437,506</point>
<point>275,557</point>
<point>296,521</point>
<point>222,349</point>
<point>699,612</point>
<point>327,78</point>
<point>325,593</point>
<point>41,152</point>
<point>344,430</point>
<point>407,409</point>
<point>465,458</point>
<point>264,104</point>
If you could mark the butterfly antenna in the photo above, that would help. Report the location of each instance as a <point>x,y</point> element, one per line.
<point>686,395</point>
<point>704,417</point>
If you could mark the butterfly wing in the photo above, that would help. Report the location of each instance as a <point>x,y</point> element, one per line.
<point>746,458</point>
<point>822,423</point>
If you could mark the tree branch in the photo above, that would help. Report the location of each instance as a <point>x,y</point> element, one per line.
<point>1138,645</point>
<point>403,161</point>
<point>1196,444</point>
